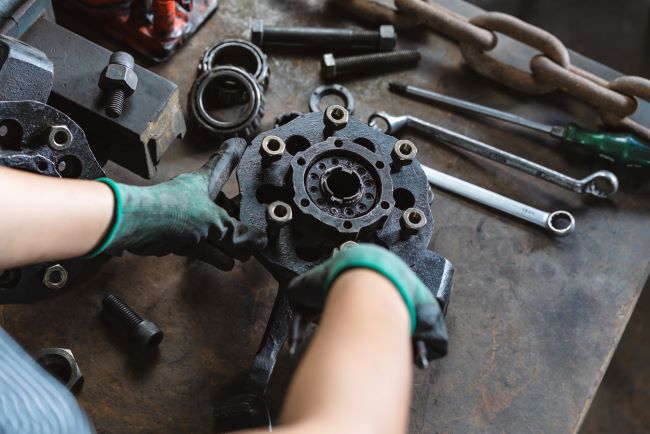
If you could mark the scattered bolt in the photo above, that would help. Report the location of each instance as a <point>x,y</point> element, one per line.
<point>145,333</point>
<point>412,221</point>
<point>335,117</point>
<point>403,153</point>
<point>384,39</point>
<point>60,137</point>
<point>55,277</point>
<point>119,81</point>
<point>332,67</point>
<point>272,148</point>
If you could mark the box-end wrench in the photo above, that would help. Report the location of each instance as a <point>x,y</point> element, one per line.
<point>558,223</point>
<point>601,184</point>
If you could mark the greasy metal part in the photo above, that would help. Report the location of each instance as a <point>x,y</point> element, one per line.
<point>472,107</point>
<point>239,53</point>
<point>341,190</point>
<point>118,81</point>
<point>145,334</point>
<point>55,277</point>
<point>333,67</point>
<point>601,184</point>
<point>549,71</point>
<point>404,152</point>
<point>62,365</point>
<point>204,100</point>
<point>412,221</point>
<point>558,223</point>
<point>272,148</point>
<point>25,72</point>
<point>150,122</point>
<point>279,213</point>
<point>335,117</point>
<point>331,89</point>
<point>384,39</point>
<point>40,139</point>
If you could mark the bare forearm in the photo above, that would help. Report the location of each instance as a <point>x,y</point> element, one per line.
<point>356,374</point>
<point>45,218</point>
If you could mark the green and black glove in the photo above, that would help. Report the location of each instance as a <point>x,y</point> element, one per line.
<point>308,292</point>
<point>178,216</point>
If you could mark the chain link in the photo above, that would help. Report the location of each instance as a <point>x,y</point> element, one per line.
<point>616,101</point>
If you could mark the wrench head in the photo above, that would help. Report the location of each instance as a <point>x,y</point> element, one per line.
<point>560,223</point>
<point>387,124</point>
<point>601,184</point>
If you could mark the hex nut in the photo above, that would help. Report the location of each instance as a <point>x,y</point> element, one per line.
<point>60,137</point>
<point>257,32</point>
<point>413,220</point>
<point>119,76</point>
<point>328,66</point>
<point>279,213</point>
<point>335,117</point>
<point>55,277</point>
<point>272,147</point>
<point>387,37</point>
<point>404,152</point>
<point>62,365</point>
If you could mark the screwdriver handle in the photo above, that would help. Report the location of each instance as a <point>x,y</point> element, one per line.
<point>620,148</point>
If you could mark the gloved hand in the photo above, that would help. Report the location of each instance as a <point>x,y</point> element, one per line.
<point>308,292</point>
<point>180,217</point>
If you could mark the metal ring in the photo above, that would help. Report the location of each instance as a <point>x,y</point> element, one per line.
<point>564,230</point>
<point>331,89</point>
<point>238,53</point>
<point>247,122</point>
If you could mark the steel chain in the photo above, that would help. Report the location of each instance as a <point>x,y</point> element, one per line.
<point>616,101</point>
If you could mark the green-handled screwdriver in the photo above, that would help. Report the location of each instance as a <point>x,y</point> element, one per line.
<point>623,149</point>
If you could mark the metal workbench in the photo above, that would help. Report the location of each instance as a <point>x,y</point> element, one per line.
<point>533,320</point>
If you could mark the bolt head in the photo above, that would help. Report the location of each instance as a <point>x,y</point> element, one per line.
<point>335,117</point>
<point>413,220</point>
<point>117,76</point>
<point>387,37</point>
<point>404,152</point>
<point>148,335</point>
<point>257,32</point>
<point>328,66</point>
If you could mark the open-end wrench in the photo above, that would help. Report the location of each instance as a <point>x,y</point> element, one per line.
<point>601,184</point>
<point>559,223</point>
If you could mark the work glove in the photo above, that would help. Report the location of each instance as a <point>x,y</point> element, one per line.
<point>179,216</point>
<point>308,292</point>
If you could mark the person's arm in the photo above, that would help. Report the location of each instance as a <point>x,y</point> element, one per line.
<point>45,219</point>
<point>356,374</point>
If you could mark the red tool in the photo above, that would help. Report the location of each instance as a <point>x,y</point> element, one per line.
<point>154,28</point>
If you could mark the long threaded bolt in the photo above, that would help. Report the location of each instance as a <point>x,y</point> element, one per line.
<point>145,333</point>
<point>119,81</point>
<point>383,39</point>
<point>332,67</point>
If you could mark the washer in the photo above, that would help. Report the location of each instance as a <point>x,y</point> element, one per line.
<point>331,89</point>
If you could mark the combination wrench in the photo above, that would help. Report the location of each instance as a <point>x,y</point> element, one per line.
<point>601,184</point>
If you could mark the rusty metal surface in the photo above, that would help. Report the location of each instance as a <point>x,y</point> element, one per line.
<point>533,321</point>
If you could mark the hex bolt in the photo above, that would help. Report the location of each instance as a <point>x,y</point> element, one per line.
<point>412,221</point>
<point>59,138</point>
<point>333,67</point>
<point>403,153</point>
<point>272,148</point>
<point>145,333</point>
<point>383,39</point>
<point>335,117</point>
<point>119,81</point>
<point>55,277</point>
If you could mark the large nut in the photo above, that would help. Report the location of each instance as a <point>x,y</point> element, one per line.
<point>62,365</point>
<point>272,147</point>
<point>404,152</point>
<point>335,117</point>
<point>55,277</point>
<point>119,76</point>
<point>328,66</point>
<point>413,220</point>
<point>60,137</point>
<point>387,37</point>
<point>279,213</point>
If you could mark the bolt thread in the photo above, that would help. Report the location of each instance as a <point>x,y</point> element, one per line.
<point>325,37</point>
<point>393,58</point>
<point>115,308</point>
<point>115,103</point>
